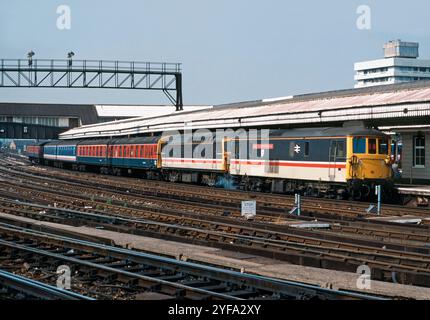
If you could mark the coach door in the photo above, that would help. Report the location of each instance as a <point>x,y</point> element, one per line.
<point>332,161</point>
<point>225,155</point>
<point>337,156</point>
<point>109,155</point>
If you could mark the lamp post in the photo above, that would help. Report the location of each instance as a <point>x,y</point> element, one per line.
<point>70,56</point>
<point>30,58</point>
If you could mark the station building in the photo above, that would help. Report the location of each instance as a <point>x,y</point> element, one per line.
<point>24,123</point>
<point>400,64</point>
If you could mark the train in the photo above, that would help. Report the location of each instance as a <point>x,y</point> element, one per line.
<point>333,162</point>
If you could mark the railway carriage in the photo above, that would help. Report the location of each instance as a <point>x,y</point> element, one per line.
<point>50,152</point>
<point>118,155</point>
<point>66,151</point>
<point>35,152</point>
<point>59,153</point>
<point>198,160</point>
<point>139,153</point>
<point>92,153</point>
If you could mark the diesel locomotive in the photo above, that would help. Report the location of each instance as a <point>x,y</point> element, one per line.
<point>331,162</point>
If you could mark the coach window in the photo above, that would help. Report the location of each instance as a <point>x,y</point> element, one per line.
<point>419,152</point>
<point>371,146</point>
<point>359,145</point>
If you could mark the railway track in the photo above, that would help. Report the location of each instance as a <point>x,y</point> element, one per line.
<point>105,271</point>
<point>267,204</point>
<point>15,287</point>
<point>125,197</point>
<point>390,249</point>
<point>411,267</point>
<point>148,208</point>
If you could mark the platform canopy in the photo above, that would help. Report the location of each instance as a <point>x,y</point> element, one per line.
<point>400,104</point>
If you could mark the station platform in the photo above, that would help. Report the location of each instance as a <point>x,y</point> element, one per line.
<point>414,195</point>
<point>403,219</point>
<point>417,190</point>
<point>238,261</point>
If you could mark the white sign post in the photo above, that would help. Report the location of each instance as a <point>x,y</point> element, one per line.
<point>249,209</point>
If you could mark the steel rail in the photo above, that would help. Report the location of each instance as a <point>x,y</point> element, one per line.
<point>376,259</point>
<point>259,282</point>
<point>37,289</point>
<point>230,197</point>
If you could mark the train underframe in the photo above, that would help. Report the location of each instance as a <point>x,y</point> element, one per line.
<point>353,189</point>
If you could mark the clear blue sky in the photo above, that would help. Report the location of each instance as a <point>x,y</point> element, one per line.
<point>231,50</point>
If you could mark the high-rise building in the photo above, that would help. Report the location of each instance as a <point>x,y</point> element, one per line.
<point>400,64</point>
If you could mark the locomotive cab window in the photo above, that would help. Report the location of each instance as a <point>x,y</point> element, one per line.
<point>359,145</point>
<point>371,146</point>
